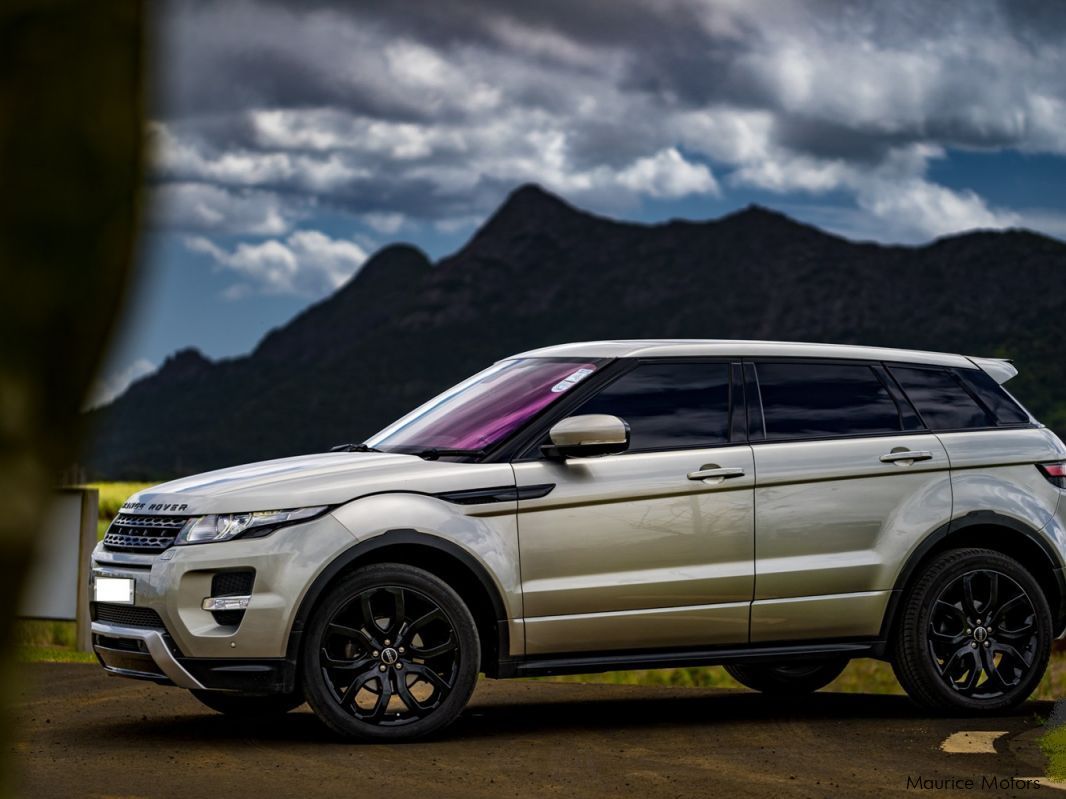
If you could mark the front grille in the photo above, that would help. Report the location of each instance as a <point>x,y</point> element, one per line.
<point>129,533</point>
<point>128,615</point>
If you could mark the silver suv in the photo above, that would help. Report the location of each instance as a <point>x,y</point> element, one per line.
<point>777,508</point>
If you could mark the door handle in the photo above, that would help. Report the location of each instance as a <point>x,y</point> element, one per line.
<point>907,455</point>
<point>710,472</point>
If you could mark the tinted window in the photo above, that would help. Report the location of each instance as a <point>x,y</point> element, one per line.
<point>993,396</point>
<point>810,400</point>
<point>487,407</point>
<point>669,405</point>
<point>940,399</point>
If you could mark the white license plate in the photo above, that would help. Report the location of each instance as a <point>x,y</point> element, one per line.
<point>113,589</point>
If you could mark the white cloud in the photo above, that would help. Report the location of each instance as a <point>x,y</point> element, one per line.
<point>305,263</point>
<point>385,222</point>
<point>667,174</point>
<point>458,224</point>
<point>207,207</point>
<point>110,386</point>
<point>185,159</point>
<point>782,172</point>
<point>918,206</point>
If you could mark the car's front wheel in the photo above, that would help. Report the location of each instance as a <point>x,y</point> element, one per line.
<point>391,653</point>
<point>974,634</point>
<point>787,679</point>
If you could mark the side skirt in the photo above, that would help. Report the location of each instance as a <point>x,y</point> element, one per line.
<point>592,663</point>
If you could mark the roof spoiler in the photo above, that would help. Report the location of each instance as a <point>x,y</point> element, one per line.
<point>1000,369</point>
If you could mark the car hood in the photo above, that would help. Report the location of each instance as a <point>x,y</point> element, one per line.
<point>331,478</point>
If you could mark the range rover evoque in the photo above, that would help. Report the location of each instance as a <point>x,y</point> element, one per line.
<point>778,508</point>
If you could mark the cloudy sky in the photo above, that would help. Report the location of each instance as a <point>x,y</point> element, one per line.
<point>291,140</point>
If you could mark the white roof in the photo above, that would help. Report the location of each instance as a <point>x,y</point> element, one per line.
<point>762,349</point>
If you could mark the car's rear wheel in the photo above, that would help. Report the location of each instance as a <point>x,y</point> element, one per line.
<point>248,705</point>
<point>391,653</point>
<point>787,679</point>
<point>974,635</point>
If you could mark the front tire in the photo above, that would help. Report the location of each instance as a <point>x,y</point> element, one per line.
<point>392,653</point>
<point>786,679</point>
<point>975,634</point>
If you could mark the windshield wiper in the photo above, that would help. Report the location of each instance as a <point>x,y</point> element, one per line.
<point>353,448</point>
<point>434,453</point>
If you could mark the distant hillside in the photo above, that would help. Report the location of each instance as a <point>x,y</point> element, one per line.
<point>542,272</point>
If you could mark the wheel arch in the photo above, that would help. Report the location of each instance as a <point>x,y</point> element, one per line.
<point>438,556</point>
<point>989,530</point>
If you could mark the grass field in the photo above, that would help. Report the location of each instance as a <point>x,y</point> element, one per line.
<point>1054,746</point>
<point>48,642</point>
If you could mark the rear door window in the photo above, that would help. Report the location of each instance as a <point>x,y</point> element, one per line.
<point>816,400</point>
<point>941,399</point>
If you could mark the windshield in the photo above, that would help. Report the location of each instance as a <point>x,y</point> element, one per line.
<point>481,411</point>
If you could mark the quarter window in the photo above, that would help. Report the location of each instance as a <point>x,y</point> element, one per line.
<point>669,405</point>
<point>940,399</point>
<point>993,396</point>
<point>814,400</point>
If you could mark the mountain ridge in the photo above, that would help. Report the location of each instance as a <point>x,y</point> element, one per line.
<point>540,271</point>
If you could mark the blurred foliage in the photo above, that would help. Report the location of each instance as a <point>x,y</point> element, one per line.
<point>43,633</point>
<point>49,654</point>
<point>71,135</point>
<point>49,642</point>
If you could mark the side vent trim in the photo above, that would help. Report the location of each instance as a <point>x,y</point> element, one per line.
<point>483,496</point>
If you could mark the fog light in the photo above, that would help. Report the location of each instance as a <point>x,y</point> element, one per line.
<point>215,603</point>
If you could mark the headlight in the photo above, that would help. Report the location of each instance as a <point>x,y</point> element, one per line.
<point>227,526</point>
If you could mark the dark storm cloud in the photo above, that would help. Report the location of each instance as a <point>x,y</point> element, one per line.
<point>425,108</point>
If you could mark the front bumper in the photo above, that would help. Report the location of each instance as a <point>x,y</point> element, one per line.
<point>140,654</point>
<point>178,642</point>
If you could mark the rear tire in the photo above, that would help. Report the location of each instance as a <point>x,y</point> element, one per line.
<point>974,634</point>
<point>249,706</point>
<point>787,679</point>
<point>391,653</point>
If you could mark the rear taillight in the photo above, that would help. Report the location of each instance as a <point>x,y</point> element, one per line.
<point>1054,472</point>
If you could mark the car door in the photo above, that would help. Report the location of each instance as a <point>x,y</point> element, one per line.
<point>848,483</point>
<point>651,548</point>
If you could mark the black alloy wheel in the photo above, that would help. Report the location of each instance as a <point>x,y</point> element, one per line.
<point>974,633</point>
<point>393,653</point>
<point>983,634</point>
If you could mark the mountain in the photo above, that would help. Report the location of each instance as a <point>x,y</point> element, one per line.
<point>540,272</point>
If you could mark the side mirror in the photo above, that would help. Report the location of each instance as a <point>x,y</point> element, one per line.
<point>586,436</point>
